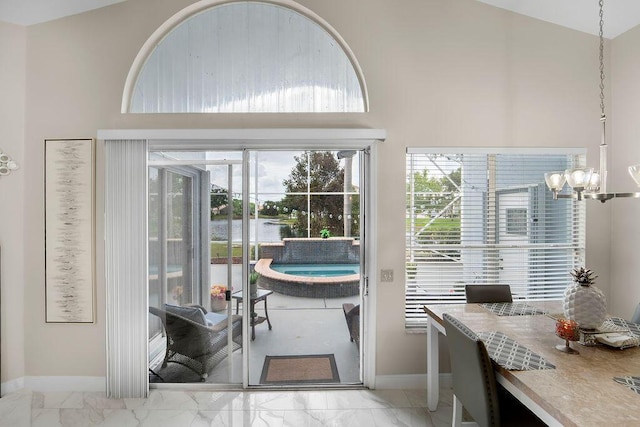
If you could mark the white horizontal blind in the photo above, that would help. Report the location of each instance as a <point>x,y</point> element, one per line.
<point>248,57</point>
<point>484,218</point>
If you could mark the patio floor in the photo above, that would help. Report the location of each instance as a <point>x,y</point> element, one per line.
<point>301,326</point>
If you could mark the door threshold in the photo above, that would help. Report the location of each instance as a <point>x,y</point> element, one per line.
<point>270,387</point>
<point>266,388</point>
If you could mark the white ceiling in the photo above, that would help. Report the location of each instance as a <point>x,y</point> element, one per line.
<point>28,12</point>
<point>581,15</point>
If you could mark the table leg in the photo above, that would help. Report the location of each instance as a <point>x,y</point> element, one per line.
<point>266,313</point>
<point>433,383</point>
<point>237,305</point>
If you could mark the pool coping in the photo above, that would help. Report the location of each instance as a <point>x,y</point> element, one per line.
<point>306,286</point>
<point>263,267</point>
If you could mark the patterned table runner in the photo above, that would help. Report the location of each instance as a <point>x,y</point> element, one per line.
<point>620,324</point>
<point>512,309</point>
<point>618,333</point>
<point>511,355</point>
<point>632,383</point>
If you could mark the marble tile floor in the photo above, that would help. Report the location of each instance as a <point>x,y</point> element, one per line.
<point>227,408</point>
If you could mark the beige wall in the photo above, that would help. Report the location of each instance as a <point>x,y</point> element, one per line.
<point>439,73</point>
<point>12,199</point>
<point>625,148</point>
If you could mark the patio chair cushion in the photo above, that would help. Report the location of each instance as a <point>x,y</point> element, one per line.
<point>194,314</point>
<point>213,319</point>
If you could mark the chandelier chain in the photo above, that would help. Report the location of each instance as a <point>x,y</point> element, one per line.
<point>602,61</point>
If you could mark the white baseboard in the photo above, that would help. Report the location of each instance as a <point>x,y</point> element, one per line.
<point>11,386</point>
<point>66,383</point>
<point>98,384</point>
<point>417,381</point>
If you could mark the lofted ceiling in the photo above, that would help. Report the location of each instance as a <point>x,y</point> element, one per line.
<point>581,15</point>
<point>29,12</point>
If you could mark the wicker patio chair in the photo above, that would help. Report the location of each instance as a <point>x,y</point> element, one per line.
<point>191,342</point>
<point>352,316</point>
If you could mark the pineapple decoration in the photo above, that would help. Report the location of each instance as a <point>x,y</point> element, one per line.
<point>583,302</point>
<point>583,276</point>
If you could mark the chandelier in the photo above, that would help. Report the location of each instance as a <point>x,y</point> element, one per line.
<point>589,183</point>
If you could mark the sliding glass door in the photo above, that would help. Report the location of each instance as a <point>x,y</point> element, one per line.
<point>306,247</point>
<point>172,275</point>
<point>271,238</point>
<point>192,331</point>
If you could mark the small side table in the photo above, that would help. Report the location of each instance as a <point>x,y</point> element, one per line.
<point>255,319</point>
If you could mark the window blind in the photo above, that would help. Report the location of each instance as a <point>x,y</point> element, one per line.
<point>126,268</point>
<point>485,216</point>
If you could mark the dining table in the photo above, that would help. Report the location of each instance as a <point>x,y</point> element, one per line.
<point>573,390</point>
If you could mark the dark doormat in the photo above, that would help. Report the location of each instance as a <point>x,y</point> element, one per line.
<point>300,369</point>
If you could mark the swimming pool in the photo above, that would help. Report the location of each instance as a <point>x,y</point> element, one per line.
<point>317,270</point>
<point>309,280</point>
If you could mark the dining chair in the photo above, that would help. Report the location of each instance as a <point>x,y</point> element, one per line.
<point>636,315</point>
<point>474,383</point>
<point>488,293</point>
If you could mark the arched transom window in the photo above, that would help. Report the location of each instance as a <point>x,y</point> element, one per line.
<point>245,57</point>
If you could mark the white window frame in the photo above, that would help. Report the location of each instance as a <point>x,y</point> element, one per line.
<point>421,287</point>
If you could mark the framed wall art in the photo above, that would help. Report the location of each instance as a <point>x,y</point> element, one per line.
<point>69,230</point>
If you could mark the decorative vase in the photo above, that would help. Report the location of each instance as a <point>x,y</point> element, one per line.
<point>218,304</point>
<point>569,331</point>
<point>583,302</point>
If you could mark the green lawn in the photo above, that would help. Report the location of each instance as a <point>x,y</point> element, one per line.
<point>219,250</point>
<point>438,223</point>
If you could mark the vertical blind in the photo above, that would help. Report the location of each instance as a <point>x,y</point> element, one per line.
<point>126,267</point>
<point>485,216</point>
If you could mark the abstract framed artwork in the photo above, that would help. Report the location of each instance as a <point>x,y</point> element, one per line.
<point>69,230</point>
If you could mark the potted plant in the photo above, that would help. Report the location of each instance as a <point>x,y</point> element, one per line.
<point>325,233</point>
<point>253,283</point>
<point>218,297</point>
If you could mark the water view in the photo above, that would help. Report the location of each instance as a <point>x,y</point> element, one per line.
<point>269,230</point>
